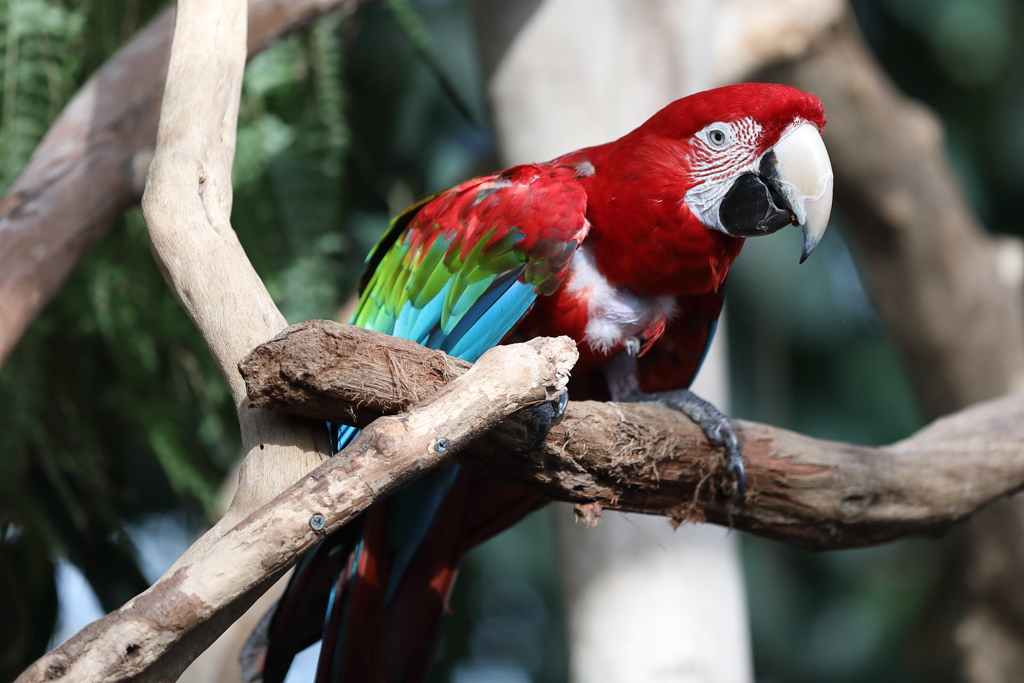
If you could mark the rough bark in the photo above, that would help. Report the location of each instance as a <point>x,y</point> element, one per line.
<point>949,294</point>
<point>156,634</point>
<point>92,163</point>
<point>817,494</point>
<point>334,370</point>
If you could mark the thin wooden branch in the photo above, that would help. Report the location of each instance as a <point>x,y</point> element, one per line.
<point>156,634</point>
<point>92,163</point>
<point>803,491</point>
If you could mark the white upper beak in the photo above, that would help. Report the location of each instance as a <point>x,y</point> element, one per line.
<point>805,178</point>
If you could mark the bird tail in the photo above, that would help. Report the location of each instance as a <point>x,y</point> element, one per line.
<point>380,610</point>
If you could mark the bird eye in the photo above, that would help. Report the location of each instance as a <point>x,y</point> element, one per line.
<point>717,137</point>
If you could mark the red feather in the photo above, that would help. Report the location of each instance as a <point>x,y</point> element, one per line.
<point>393,641</point>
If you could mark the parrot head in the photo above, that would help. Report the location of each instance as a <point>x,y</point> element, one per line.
<point>747,159</point>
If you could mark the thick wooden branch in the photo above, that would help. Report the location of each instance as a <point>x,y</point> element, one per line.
<point>92,163</point>
<point>156,634</point>
<point>804,491</point>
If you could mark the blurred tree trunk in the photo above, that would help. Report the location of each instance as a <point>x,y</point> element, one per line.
<point>949,293</point>
<point>645,603</point>
<point>92,163</point>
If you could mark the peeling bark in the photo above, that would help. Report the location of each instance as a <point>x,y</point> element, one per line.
<point>803,491</point>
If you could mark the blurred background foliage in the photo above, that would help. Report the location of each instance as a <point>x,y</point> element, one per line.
<point>116,430</point>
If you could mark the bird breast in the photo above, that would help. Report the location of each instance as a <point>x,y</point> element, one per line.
<point>617,318</point>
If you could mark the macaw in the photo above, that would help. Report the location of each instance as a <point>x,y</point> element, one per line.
<point>625,248</point>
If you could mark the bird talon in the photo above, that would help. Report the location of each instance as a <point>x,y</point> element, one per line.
<point>543,415</point>
<point>735,467</point>
<point>716,426</point>
<point>734,462</point>
<point>561,403</point>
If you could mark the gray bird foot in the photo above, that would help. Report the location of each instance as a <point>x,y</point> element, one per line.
<point>543,415</point>
<point>717,427</point>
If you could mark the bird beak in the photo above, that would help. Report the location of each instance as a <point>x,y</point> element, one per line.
<point>791,186</point>
<point>805,181</point>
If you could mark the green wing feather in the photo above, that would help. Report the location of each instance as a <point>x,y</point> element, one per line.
<point>458,270</point>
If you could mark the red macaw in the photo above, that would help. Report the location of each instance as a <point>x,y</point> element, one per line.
<point>624,247</point>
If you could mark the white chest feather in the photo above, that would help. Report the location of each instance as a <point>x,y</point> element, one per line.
<point>616,316</point>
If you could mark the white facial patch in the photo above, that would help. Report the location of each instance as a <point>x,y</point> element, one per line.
<point>715,165</point>
<point>616,316</point>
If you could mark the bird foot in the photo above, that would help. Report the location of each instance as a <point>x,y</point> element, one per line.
<point>543,416</point>
<point>716,426</point>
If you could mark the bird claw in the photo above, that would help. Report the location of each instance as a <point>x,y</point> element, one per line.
<point>561,403</point>
<point>733,459</point>
<point>716,426</point>
<point>718,430</point>
<point>543,416</point>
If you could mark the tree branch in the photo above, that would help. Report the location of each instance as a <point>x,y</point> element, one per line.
<point>156,634</point>
<point>187,206</point>
<point>92,163</point>
<point>949,294</point>
<point>803,491</point>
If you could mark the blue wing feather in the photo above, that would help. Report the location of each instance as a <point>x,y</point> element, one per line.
<point>485,327</point>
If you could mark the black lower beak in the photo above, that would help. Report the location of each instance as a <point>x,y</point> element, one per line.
<point>754,206</point>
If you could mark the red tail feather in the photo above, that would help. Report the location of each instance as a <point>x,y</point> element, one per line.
<point>395,641</point>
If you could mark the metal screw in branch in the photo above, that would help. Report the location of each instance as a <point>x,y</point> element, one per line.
<point>317,522</point>
<point>441,446</point>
